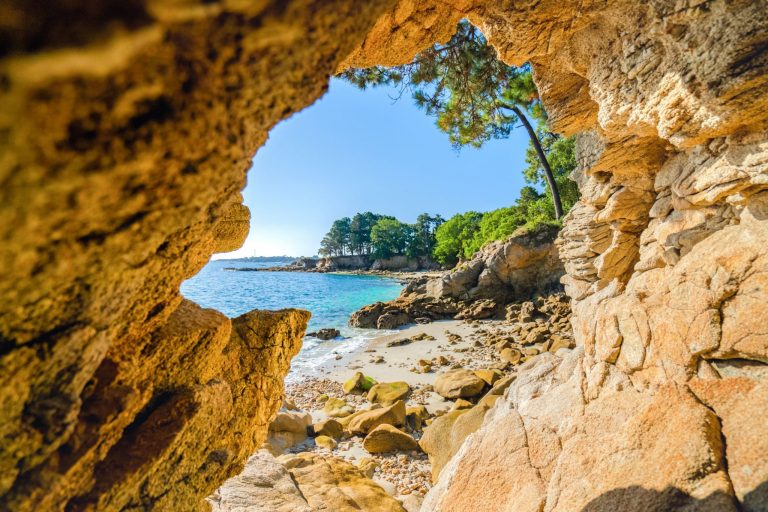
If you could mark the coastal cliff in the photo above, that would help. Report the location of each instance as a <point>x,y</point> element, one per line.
<point>503,272</point>
<point>126,136</point>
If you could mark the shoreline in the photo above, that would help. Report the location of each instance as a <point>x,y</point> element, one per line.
<point>404,475</point>
<point>404,275</point>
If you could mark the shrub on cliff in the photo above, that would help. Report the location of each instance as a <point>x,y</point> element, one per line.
<point>454,238</point>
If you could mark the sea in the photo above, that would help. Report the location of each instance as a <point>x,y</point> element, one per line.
<point>331,298</point>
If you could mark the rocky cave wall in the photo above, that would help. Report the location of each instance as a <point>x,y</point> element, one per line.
<point>127,129</point>
<point>666,257</point>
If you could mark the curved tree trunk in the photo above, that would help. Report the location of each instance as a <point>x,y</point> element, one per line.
<point>543,159</point>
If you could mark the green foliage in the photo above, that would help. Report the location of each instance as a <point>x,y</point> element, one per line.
<point>495,225</point>
<point>423,241</point>
<point>380,235</point>
<point>390,237</point>
<point>561,154</point>
<point>360,235</point>
<point>464,85</point>
<point>336,241</point>
<point>475,97</point>
<point>465,234</point>
<point>454,238</point>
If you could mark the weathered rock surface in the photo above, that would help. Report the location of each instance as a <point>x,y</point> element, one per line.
<point>301,483</point>
<point>386,438</point>
<point>387,393</point>
<point>625,446</point>
<point>459,384</point>
<point>330,483</point>
<point>505,271</point>
<point>445,435</point>
<point>199,368</point>
<point>502,272</point>
<point>263,486</point>
<point>366,421</point>
<point>126,135</point>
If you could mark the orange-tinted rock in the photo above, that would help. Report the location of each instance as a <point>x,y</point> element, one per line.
<point>125,138</point>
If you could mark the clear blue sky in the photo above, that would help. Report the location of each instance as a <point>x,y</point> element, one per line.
<point>354,151</point>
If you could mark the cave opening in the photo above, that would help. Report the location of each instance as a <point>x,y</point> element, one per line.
<point>125,139</point>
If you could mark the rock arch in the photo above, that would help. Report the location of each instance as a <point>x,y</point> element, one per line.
<point>126,131</point>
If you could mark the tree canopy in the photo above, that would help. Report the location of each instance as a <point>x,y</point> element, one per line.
<point>381,236</point>
<point>454,237</point>
<point>474,95</point>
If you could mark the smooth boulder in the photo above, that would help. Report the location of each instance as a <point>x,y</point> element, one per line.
<point>337,408</point>
<point>388,392</point>
<point>326,442</point>
<point>386,438</point>
<point>511,355</point>
<point>490,376</point>
<point>289,428</point>
<point>329,427</point>
<point>459,384</point>
<point>368,420</point>
<point>358,383</point>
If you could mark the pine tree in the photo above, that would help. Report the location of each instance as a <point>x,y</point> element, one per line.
<point>474,95</point>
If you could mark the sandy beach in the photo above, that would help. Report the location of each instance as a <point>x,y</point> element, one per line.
<point>437,347</point>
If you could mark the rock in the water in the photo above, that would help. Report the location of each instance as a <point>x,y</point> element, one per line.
<point>458,384</point>
<point>326,442</point>
<point>358,383</point>
<point>264,485</point>
<point>333,484</point>
<point>337,408</point>
<point>330,428</point>
<point>386,438</point>
<point>387,393</point>
<point>325,334</point>
<point>368,420</point>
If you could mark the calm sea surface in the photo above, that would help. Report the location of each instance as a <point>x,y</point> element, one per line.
<point>330,298</point>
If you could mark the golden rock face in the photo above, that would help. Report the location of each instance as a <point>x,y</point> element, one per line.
<point>125,135</point>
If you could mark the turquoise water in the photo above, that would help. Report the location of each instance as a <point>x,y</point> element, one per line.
<point>331,298</point>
